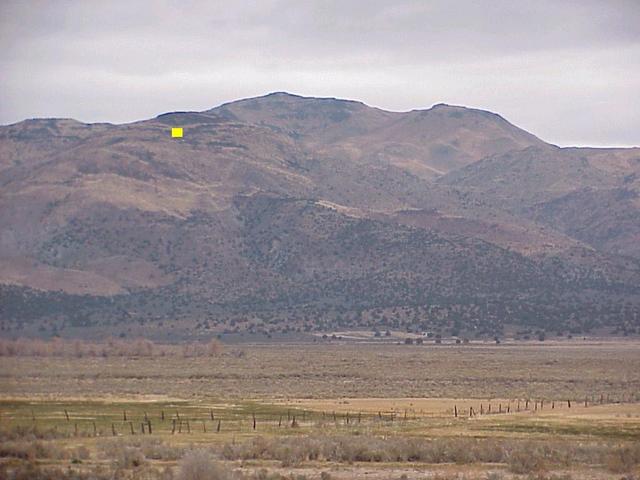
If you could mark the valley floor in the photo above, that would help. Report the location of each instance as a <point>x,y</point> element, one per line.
<point>328,411</point>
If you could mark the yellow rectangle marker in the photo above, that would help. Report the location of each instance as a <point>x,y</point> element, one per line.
<point>176,132</point>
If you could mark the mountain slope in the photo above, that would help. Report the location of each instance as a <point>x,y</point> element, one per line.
<point>589,194</point>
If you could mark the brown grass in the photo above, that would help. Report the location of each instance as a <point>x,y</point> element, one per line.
<point>333,371</point>
<point>141,347</point>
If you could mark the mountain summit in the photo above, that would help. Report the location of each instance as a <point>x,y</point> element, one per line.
<point>425,142</point>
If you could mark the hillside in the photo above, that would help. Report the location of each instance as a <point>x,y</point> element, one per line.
<point>283,213</point>
<point>589,194</point>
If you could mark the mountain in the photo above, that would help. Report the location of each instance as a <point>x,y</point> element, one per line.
<point>283,213</point>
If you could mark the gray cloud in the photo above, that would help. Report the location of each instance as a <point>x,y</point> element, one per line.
<point>568,71</point>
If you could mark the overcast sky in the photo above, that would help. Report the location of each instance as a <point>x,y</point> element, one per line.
<point>567,71</point>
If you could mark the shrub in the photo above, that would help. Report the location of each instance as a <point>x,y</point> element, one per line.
<point>199,465</point>
<point>28,450</point>
<point>126,456</point>
<point>494,476</point>
<point>81,453</point>
<point>156,449</point>
<point>364,448</point>
<point>31,471</point>
<point>623,459</point>
<point>527,460</point>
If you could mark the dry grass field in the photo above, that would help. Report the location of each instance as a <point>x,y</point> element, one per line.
<point>552,371</point>
<point>327,411</point>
